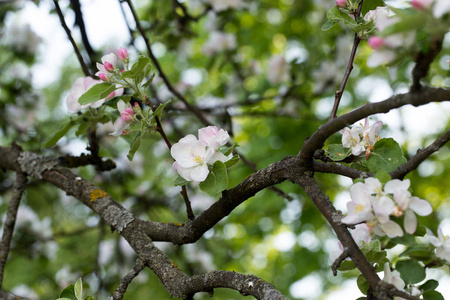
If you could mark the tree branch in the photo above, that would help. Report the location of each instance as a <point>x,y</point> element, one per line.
<point>11,215</point>
<point>420,156</point>
<point>126,280</point>
<point>69,35</point>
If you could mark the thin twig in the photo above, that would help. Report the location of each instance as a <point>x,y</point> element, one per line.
<point>338,261</point>
<point>8,227</point>
<point>338,94</point>
<point>163,76</point>
<point>69,35</point>
<point>126,280</point>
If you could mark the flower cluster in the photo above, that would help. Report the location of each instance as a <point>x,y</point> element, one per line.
<point>361,138</point>
<point>193,156</point>
<point>81,86</point>
<point>109,69</point>
<point>374,205</point>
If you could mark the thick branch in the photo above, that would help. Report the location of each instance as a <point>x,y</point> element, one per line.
<point>416,98</point>
<point>8,226</point>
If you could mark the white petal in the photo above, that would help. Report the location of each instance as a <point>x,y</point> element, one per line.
<point>182,153</point>
<point>121,106</point>
<point>410,222</point>
<point>383,207</point>
<point>184,172</point>
<point>392,229</point>
<point>119,126</point>
<point>360,194</point>
<point>420,206</point>
<point>396,185</point>
<point>199,173</point>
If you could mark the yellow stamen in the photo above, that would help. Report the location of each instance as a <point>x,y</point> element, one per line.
<point>359,207</point>
<point>198,159</point>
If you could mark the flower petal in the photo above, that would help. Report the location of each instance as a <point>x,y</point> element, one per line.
<point>199,173</point>
<point>420,206</point>
<point>391,229</point>
<point>410,222</point>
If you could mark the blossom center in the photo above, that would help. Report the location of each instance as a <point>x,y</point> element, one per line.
<point>359,207</point>
<point>198,159</point>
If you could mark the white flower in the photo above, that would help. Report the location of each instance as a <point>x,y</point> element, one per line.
<point>442,244</point>
<point>213,137</point>
<point>380,16</point>
<point>219,42</point>
<point>407,204</point>
<point>193,156</point>
<point>360,138</point>
<point>360,208</point>
<point>279,70</point>
<point>81,86</point>
<point>393,277</point>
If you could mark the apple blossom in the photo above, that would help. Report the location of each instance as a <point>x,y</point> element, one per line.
<point>126,117</point>
<point>109,64</point>
<point>442,244</point>
<point>193,156</point>
<point>376,42</point>
<point>361,139</point>
<point>102,76</point>
<point>122,53</point>
<point>360,208</point>
<point>81,86</point>
<point>213,137</point>
<point>341,3</point>
<point>393,277</point>
<point>421,4</point>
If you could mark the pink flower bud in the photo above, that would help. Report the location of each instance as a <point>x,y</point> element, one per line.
<point>103,77</point>
<point>376,42</point>
<point>127,115</point>
<point>108,66</point>
<point>121,71</point>
<point>421,4</point>
<point>110,96</point>
<point>122,53</point>
<point>341,3</point>
<point>136,108</point>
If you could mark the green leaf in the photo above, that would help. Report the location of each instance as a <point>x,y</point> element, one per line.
<point>232,161</point>
<point>382,176</point>
<point>386,155</point>
<point>337,152</point>
<point>113,102</point>
<point>430,285</point>
<point>371,5</point>
<point>346,265</point>
<point>328,25</point>
<point>79,289</point>
<point>160,109</point>
<point>432,295</point>
<point>63,299</point>
<point>362,283</point>
<point>89,298</point>
<point>411,271</point>
<point>135,145</point>
<point>334,14</point>
<point>56,136</point>
<point>68,293</point>
<point>139,70</point>
<point>418,252</point>
<point>97,92</point>
<point>217,180</point>
<point>180,181</point>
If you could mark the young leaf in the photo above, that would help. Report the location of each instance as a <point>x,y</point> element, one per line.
<point>386,155</point>
<point>217,180</point>
<point>89,298</point>
<point>430,285</point>
<point>160,109</point>
<point>432,295</point>
<point>227,150</point>
<point>56,136</point>
<point>411,271</point>
<point>97,92</point>
<point>180,181</point>
<point>337,152</point>
<point>371,5</point>
<point>383,176</point>
<point>135,145</point>
<point>68,293</point>
<point>231,162</point>
<point>79,289</point>
<point>362,283</point>
<point>139,70</point>
<point>328,25</point>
